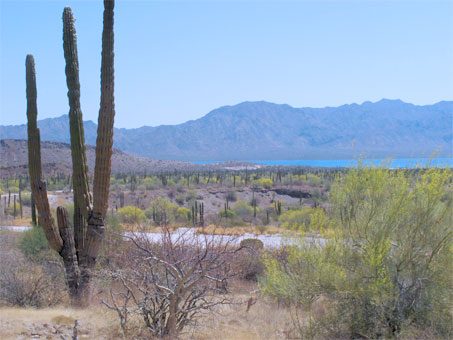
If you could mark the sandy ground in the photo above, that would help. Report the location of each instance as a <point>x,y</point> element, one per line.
<point>264,320</point>
<point>54,323</point>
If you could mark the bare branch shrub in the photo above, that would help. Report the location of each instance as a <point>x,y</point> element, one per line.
<point>27,284</point>
<point>168,283</point>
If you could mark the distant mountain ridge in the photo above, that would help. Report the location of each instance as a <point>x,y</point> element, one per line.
<point>267,131</point>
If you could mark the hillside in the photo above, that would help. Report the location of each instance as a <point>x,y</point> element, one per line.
<point>56,158</point>
<point>266,131</point>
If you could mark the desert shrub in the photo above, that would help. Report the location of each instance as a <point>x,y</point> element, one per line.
<point>228,213</point>
<point>151,183</point>
<point>183,214</point>
<point>166,286</point>
<point>231,196</point>
<point>27,284</point>
<point>263,183</point>
<point>13,189</point>
<point>26,199</point>
<point>131,214</point>
<point>149,213</point>
<point>242,209</point>
<point>313,179</point>
<point>33,243</point>
<point>249,265</point>
<point>112,241</point>
<point>163,211</point>
<point>113,223</point>
<point>389,265</point>
<point>305,219</point>
<point>180,199</point>
<point>191,195</point>
<point>11,208</point>
<point>252,243</point>
<point>316,195</point>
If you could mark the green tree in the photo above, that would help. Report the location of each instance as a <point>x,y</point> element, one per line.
<point>388,268</point>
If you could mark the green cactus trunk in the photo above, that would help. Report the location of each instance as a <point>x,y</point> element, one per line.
<point>38,187</point>
<point>79,250</point>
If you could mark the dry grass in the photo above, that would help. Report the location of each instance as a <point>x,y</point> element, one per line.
<point>17,222</point>
<point>264,320</point>
<point>211,229</point>
<point>239,231</point>
<point>27,323</point>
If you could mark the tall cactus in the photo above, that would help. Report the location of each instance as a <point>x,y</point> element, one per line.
<point>38,187</point>
<point>79,250</point>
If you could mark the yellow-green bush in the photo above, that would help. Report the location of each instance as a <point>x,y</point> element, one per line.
<point>11,209</point>
<point>183,214</point>
<point>163,211</point>
<point>305,219</point>
<point>388,268</point>
<point>242,209</point>
<point>130,214</point>
<point>263,183</point>
<point>313,179</point>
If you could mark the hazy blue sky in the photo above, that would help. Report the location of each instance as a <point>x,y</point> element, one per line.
<point>177,60</point>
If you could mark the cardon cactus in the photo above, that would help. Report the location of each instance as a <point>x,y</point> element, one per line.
<point>79,249</point>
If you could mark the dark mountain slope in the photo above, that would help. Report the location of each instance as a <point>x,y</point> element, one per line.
<point>262,130</point>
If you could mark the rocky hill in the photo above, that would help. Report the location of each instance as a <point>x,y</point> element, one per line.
<point>56,158</point>
<point>267,131</point>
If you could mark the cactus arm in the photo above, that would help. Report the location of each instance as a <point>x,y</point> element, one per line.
<point>38,187</point>
<point>104,142</point>
<point>79,161</point>
<point>82,197</point>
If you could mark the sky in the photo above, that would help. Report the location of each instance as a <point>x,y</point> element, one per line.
<point>178,60</point>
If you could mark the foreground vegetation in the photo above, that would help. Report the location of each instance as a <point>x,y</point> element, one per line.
<point>380,267</point>
<point>387,270</point>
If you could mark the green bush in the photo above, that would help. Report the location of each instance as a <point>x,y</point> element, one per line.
<point>26,199</point>
<point>242,209</point>
<point>388,268</point>
<point>163,211</point>
<point>313,180</point>
<point>11,209</point>
<point>33,243</point>
<point>191,195</point>
<point>230,214</point>
<point>183,214</point>
<point>305,219</point>
<point>151,183</point>
<point>131,214</point>
<point>263,183</point>
<point>180,199</point>
<point>13,189</point>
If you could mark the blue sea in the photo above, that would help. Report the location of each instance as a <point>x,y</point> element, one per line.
<point>392,163</point>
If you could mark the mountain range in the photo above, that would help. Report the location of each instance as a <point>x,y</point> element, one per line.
<point>268,131</point>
